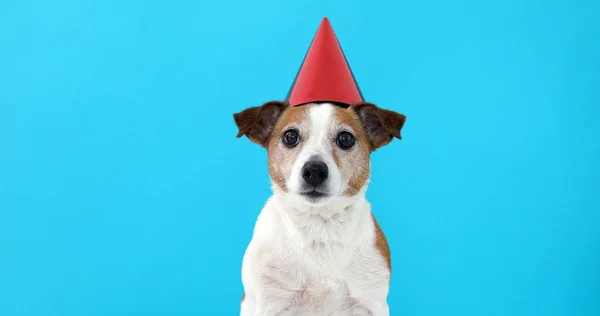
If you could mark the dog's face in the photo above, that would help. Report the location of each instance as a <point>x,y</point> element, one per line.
<point>319,152</point>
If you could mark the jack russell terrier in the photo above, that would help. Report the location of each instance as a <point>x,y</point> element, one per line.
<point>317,249</point>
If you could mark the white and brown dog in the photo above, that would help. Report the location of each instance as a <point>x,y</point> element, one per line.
<point>316,248</point>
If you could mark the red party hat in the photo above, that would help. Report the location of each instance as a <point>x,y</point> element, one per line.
<point>325,75</point>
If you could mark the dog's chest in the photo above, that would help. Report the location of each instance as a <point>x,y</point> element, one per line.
<point>321,270</point>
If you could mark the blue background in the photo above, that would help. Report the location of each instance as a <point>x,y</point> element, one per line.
<point>123,190</point>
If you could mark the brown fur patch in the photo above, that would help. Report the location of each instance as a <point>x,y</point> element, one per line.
<point>281,158</point>
<point>338,159</point>
<point>355,162</point>
<point>382,245</point>
<point>243,297</point>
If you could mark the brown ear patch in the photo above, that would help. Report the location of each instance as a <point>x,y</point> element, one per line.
<point>382,245</point>
<point>380,125</point>
<point>258,122</point>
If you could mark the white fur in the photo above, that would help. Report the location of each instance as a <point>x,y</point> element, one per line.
<point>320,124</point>
<point>315,259</point>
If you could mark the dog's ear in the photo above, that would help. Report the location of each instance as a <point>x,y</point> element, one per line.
<point>258,122</point>
<point>380,125</point>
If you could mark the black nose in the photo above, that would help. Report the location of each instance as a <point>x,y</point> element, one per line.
<point>315,172</point>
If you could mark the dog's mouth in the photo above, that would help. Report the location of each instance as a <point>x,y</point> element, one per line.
<point>314,195</point>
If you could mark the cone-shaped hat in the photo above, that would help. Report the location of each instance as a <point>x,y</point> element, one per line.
<point>325,75</point>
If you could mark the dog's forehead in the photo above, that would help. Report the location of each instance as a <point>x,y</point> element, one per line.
<point>318,122</point>
<point>332,118</point>
<point>321,118</point>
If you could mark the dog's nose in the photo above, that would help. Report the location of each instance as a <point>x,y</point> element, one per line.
<point>315,172</point>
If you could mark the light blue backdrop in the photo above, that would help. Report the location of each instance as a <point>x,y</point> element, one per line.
<point>123,190</point>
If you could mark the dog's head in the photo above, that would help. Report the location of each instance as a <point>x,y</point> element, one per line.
<point>319,152</point>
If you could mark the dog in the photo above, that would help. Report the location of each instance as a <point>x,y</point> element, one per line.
<point>316,248</point>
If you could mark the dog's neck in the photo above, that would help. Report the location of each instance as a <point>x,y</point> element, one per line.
<point>335,223</point>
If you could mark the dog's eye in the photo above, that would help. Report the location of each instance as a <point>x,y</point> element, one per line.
<point>290,138</point>
<point>345,140</point>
